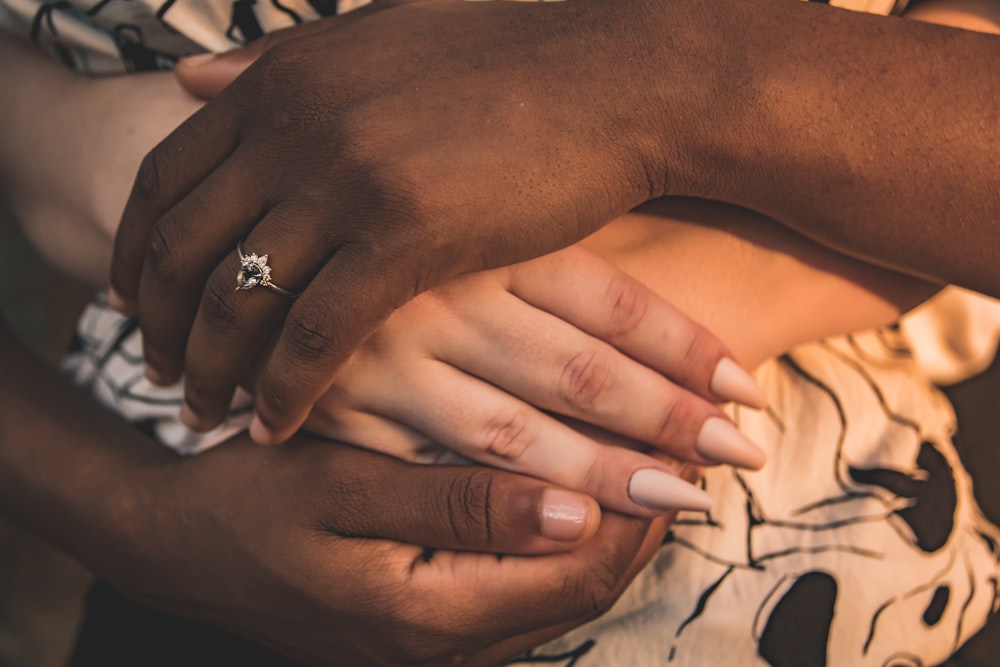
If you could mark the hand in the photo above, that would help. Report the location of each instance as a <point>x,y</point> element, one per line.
<point>486,365</point>
<point>295,548</point>
<point>299,547</point>
<point>369,175</point>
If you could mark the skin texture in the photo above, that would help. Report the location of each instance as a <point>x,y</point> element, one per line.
<point>401,184</point>
<point>113,486</point>
<point>242,538</point>
<point>295,546</point>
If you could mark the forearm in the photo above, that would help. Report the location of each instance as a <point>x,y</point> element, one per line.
<point>760,287</point>
<point>876,136</point>
<point>73,473</point>
<point>70,147</point>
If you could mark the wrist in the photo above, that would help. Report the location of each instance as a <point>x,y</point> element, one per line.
<point>697,76</point>
<point>74,474</point>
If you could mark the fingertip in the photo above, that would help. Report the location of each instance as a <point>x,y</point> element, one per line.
<point>196,420</point>
<point>261,434</point>
<point>719,441</point>
<point>117,302</point>
<point>195,61</point>
<point>661,491</point>
<point>189,418</point>
<point>205,75</point>
<point>156,376</point>
<point>731,383</point>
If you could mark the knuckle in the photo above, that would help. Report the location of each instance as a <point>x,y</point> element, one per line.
<point>273,403</point>
<point>278,64</point>
<point>148,181</point>
<point>676,419</point>
<point>165,257</point>
<point>586,380</point>
<point>341,501</point>
<point>218,307</point>
<point>508,435</point>
<point>310,334</point>
<point>469,508</point>
<point>627,304</point>
<point>700,348</point>
<point>594,590</point>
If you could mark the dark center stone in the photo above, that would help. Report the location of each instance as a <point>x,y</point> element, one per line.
<point>249,276</point>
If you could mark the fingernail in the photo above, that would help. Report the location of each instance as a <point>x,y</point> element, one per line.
<point>565,515</point>
<point>116,301</point>
<point>154,376</point>
<point>196,60</point>
<point>732,383</point>
<point>190,418</point>
<point>260,433</point>
<point>659,490</point>
<point>722,442</point>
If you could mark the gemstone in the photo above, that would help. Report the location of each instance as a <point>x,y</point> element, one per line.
<point>249,276</point>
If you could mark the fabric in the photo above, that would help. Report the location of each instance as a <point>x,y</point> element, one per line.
<point>859,544</point>
<point>113,36</point>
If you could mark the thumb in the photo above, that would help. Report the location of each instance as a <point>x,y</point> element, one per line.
<point>464,508</point>
<point>205,75</point>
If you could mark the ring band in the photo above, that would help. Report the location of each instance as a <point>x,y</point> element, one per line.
<point>254,272</point>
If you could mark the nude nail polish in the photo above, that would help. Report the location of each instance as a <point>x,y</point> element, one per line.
<point>660,490</point>
<point>565,515</point>
<point>731,383</point>
<point>720,441</point>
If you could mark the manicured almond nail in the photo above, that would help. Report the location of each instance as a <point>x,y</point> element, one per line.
<point>722,442</point>
<point>659,490</point>
<point>732,383</point>
<point>565,515</point>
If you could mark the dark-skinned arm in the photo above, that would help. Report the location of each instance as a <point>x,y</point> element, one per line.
<point>286,545</point>
<point>487,133</point>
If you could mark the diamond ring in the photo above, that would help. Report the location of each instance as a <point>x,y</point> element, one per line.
<point>255,272</point>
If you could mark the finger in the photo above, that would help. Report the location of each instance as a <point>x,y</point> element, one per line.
<point>551,364</point>
<point>566,588</point>
<point>232,325</point>
<point>186,245</point>
<point>503,650</point>
<point>365,281</point>
<point>635,320</point>
<point>467,508</point>
<point>167,174</point>
<point>375,432</point>
<point>489,425</point>
<point>206,75</point>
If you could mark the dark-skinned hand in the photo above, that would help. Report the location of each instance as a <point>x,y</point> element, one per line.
<point>373,156</point>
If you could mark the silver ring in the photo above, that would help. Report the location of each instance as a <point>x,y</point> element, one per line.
<point>254,272</point>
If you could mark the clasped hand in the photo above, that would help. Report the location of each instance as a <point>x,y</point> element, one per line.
<point>374,156</point>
